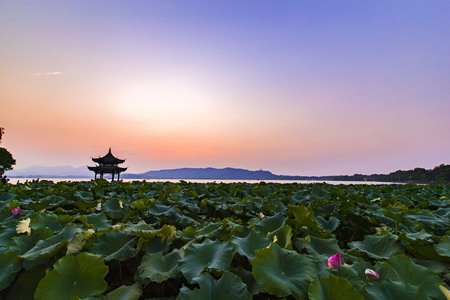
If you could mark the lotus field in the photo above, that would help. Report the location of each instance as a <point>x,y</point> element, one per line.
<point>163,240</point>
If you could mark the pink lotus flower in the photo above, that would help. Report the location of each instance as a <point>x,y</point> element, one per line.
<point>16,211</point>
<point>334,261</point>
<point>371,275</point>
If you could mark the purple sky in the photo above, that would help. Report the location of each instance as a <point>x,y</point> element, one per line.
<point>294,87</point>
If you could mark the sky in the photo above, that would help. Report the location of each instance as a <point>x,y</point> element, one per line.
<point>293,87</point>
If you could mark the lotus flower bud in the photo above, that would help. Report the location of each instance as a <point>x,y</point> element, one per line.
<point>371,275</point>
<point>334,261</point>
<point>16,211</point>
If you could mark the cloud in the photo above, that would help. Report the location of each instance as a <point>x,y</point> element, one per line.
<point>55,73</point>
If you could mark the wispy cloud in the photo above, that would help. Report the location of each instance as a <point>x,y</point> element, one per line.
<point>55,73</point>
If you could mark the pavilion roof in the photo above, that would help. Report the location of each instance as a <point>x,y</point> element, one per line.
<point>108,159</point>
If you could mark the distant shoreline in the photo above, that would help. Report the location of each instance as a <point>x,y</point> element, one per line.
<point>21,180</point>
<point>440,174</point>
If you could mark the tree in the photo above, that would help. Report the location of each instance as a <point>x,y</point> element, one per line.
<point>6,158</point>
<point>6,161</point>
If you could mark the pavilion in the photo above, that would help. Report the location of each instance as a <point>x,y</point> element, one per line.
<point>108,164</point>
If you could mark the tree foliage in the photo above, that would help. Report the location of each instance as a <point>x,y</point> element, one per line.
<point>439,174</point>
<point>6,160</point>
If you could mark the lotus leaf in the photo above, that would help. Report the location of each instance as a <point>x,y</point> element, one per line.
<point>247,245</point>
<point>443,247</point>
<point>331,224</point>
<point>321,247</point>
<point>401,278</point>
<point>283,236</point>
<point>378,247</point>
<point>26,284</point>
<point>51,245</point>
<point>227,287</point>
<point>282,272</point>
<point>333,288</point>
<point>9,266</point>
<point>98,221</point>
<point>304,216</point>
<point>115,245</point>
<point>74,277</point>
<point>271,223</point>
<point>113,209</point>
<point>22,243</point>
<point>124,292</point>
<point>207,255</point>
<point>51,220</point>
<point>158,267</point>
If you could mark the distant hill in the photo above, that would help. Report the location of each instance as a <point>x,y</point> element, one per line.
<point>204,173</point>
<point>51,172</point>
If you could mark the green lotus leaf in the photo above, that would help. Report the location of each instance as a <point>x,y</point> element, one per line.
<point>422,249</point>
<point>401,278</point>
<point>304,216</point>
<point>378,247</point>
<point>113,209</point>
<point>115,245</point>
<point>5,198</point>
<point>74,277</point>
<point>227,287</point>
<point>206,231</point>
<point>207,255</point>
<point>7,234</point>
<point>50,220</point>
<point>247,245</point>
<point>354,273</point>
<point>158,267</point>
<point>282,236</point>
<point>25,285</point>
<point>141,226</point>
<point>443,247</point>
<point>9,266</point>
<point>98,221</point>
<point>431,219</point>
<point>84,195</point>
<point>39,205</point>
<point>321,247</point>
<point>270,223</point>
<point>333,288</point>
<point>247,277</point>
<point>51,245</point>
<point>126,292</point>
<point>331,224</point>
<point>420,235</point>
<point>23,243</point>
<point>282,272</point>
<point>158,209</point>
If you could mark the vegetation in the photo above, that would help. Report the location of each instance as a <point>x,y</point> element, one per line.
<point>141,240</point>
<point>440,174</point>
<point>6,161</point>
<point>6,158</point>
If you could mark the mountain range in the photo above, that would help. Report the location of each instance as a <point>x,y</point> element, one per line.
<point>180,173</point>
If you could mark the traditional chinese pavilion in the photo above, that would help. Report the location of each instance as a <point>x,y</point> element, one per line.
<point>108,164</point>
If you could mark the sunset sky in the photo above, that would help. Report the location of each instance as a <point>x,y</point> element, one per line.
<point>305,87</point>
